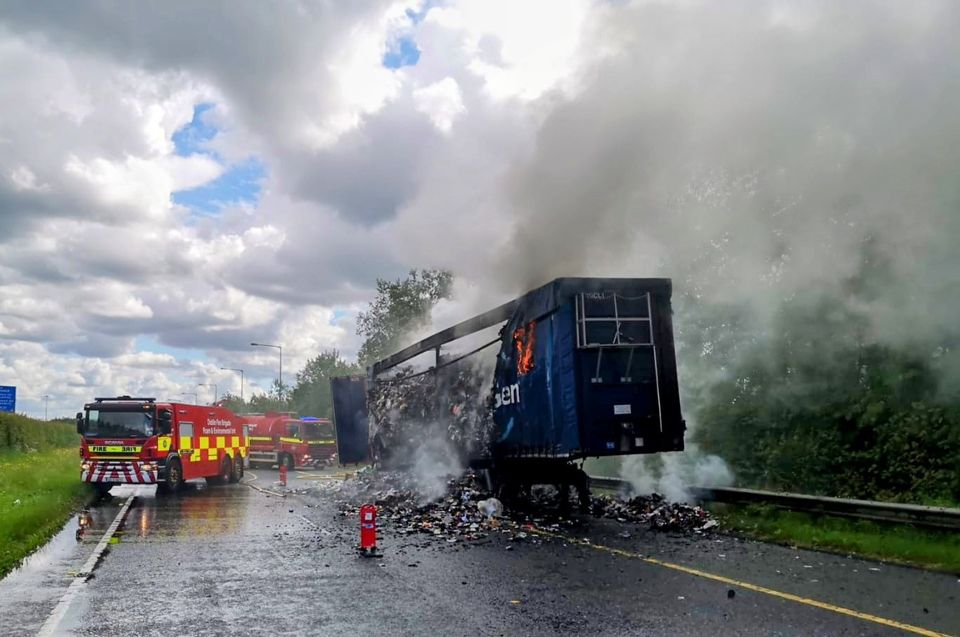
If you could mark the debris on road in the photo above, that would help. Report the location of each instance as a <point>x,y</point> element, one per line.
<point>655,512</point>
<point>466,512</point>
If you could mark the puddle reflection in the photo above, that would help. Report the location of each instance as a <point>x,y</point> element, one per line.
<point>196,510</point>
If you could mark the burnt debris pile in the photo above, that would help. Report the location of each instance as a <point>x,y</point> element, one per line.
<point>655,512</point>
<point>466,512</point>
<point>453,402</point>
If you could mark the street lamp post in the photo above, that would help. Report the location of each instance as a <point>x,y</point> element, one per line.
<point>214,385</point>
<point>191,393</point>
<point>279,347</point>
<point>231,369</point>
<point>46,403</point>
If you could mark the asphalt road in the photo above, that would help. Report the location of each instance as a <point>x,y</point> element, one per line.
<point>238,560</point>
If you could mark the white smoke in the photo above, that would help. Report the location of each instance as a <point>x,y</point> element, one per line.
<point>672,474</point>
<point>434,461</point>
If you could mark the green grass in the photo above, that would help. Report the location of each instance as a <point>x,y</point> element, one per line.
<point>929,548</point>
<point>38,493</point>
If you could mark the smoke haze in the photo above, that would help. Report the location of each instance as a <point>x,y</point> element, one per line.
<point>749,151</point>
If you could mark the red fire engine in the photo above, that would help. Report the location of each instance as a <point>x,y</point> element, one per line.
<point>283,438</point>
<point>140,441</point>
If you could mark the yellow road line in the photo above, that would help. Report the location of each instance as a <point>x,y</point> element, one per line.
<point>917,630</point>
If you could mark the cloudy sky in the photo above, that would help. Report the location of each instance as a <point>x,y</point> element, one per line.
<point>178,179</point>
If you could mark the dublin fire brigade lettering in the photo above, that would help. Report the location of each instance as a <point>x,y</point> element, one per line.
<point>217,431</point>
<point>218,427</point>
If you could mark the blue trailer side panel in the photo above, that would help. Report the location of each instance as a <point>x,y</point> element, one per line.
<point>536,409</point>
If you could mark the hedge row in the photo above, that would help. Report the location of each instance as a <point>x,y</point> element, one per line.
<point>20,433</point>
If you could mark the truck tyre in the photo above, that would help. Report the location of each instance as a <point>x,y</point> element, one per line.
<point>226,468</point>
<point>286,460</point>
<point>583,491</point>
<point>237,473</point>
<point>174,475</point>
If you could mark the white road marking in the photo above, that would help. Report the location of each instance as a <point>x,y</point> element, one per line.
<point>315,525</point>
<point>53,621</point>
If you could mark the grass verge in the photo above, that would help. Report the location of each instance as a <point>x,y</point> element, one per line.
<point>38,493</point>
<point>929,548</point>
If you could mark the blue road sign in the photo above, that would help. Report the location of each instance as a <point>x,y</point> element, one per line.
<point>8,398</point>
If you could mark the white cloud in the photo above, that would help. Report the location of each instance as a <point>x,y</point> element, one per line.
<point>441,101</point>
<point>113,300</point>
<point>24,179</point>
<point>520,50</point>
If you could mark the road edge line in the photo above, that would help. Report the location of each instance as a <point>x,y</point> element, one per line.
<point>53,620</point>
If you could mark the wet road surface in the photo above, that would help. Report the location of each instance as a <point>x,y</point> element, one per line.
<point>240,560</point>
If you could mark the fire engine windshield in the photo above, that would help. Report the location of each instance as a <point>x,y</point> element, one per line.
<point>314,431</point>
<point>119,424</point>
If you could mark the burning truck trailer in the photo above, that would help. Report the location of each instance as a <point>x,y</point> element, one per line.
<point>586,367</point>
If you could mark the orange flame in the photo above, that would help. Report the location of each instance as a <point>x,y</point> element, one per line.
<point>524,338</point>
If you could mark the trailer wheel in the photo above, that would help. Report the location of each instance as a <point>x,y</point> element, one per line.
<point>174,479</point>
<point>237,472</point>
<point>582,485</point>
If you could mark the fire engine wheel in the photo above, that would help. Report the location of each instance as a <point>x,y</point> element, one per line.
<point>174,476</point>
<point>237,472</point>
<point>102,489</point>
<point>287,461</point>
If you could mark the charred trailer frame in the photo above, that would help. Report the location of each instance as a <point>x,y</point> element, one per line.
<point>586,367</point>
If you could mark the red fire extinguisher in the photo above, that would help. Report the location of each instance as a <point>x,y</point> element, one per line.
<point>283,474</point>
<point>368,530</point>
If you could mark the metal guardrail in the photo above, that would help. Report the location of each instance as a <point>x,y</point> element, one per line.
<point>927,516</point>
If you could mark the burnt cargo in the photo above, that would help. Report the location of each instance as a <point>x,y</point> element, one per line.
<point>586,367</point>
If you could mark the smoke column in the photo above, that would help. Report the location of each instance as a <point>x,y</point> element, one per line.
<point>755,153</point>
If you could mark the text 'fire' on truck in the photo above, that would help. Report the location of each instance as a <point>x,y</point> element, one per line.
<point>128,440</point>
<point>584,367</point>
<point>283,438</point>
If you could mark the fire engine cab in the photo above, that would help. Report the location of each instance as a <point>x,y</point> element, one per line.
<point>126,440</point>
<point>283,438</point>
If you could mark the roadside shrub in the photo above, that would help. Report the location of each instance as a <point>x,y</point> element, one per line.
<point>20,433</point>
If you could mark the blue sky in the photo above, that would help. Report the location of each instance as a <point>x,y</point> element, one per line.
<point>404,51</point>
<point>240,183</point>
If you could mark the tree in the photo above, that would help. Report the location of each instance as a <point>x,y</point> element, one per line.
<point>233,403</point>
<point>311,396</point>
<point>263,402</point>
<point>399,308</point>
